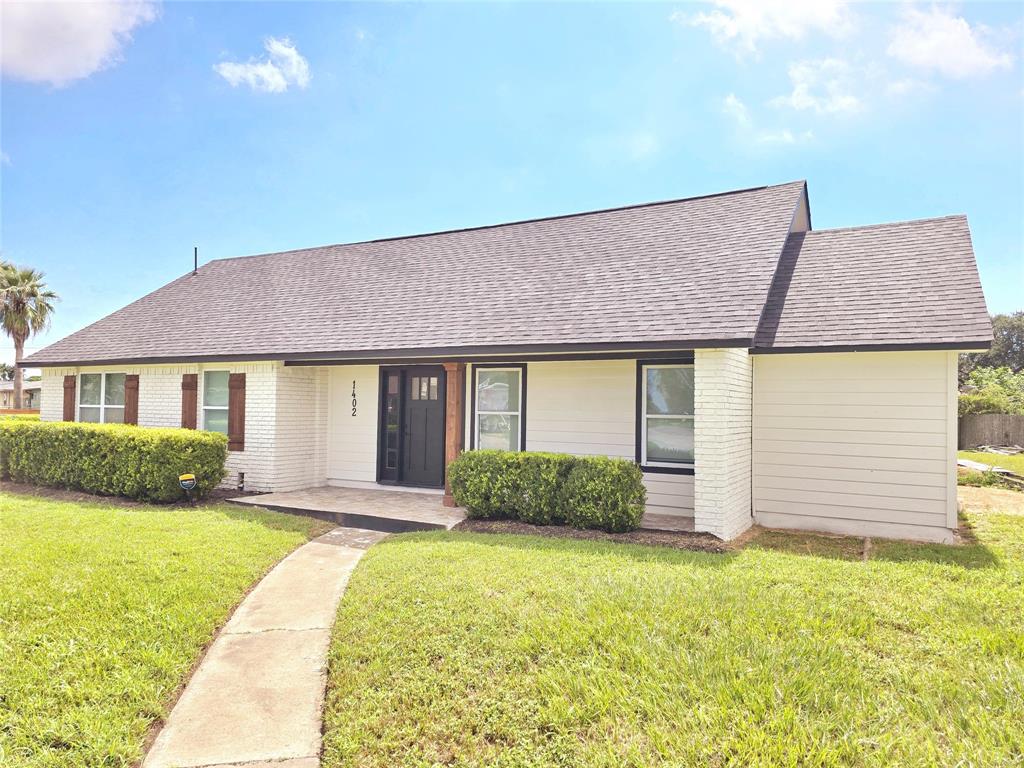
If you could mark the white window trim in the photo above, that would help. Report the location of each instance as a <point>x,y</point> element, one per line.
<point>476,404</point>
<point>644,417</point>
<point>202,395</point>
<point>103,392</point>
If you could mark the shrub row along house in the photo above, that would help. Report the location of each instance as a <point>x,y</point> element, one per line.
<point>756,369</point>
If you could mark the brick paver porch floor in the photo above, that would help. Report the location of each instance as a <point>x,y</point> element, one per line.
<point>380,510</point>
<point>396,511</point>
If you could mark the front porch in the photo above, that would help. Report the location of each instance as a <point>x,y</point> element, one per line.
<point>394,511</point>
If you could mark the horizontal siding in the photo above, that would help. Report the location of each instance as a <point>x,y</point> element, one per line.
<point>588,408</point>
<point>854,443</point>
<point>352,440</point>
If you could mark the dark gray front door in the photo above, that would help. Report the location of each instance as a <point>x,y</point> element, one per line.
<point>412,426</point>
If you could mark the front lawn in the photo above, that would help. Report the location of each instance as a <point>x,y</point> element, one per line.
<point>104,608</point>
<point>486,650</point>
<point>1012,463</point>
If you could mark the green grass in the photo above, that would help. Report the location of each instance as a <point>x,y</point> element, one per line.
<point>103,611</point>
<point>1012,463</point>
<point>482,650</point>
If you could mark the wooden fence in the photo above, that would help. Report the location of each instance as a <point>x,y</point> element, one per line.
<point>990,429</point>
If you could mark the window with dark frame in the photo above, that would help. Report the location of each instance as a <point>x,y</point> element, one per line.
<point>498,408</point>
<point>666,412</point>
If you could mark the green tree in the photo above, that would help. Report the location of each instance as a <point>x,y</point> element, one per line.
<point>6,372</point>
<point>26,306</point>
<point>1007,346</point>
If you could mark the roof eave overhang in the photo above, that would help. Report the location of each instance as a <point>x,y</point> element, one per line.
<point>948,346</point>
<point>437,354</point>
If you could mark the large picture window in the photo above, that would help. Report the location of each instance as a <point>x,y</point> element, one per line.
<point>101,398</point>
<point>666,416</point>
<point>498,400</point>
<point>215,401</point>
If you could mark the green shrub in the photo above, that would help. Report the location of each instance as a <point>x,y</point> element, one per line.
<point>483,482</point>
<point>604,493</point>
<point>985,401</point>
<point>538,489</point>
<point>19,417</point>
<point>545,488</point>
<point>111,459</point>
<point>993,390</point>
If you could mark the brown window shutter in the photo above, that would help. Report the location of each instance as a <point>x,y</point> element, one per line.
<point>189,399</point>
<point>236,412</point>
<point>131,398</point>
<point>69,397</point>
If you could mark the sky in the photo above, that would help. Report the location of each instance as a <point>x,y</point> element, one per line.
<point>131,132</point>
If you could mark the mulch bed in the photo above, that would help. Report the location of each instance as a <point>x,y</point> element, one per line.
<point>699,542</point>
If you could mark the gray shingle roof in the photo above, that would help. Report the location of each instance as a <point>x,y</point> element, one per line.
<point>908,283</point>
<point>686,272</point>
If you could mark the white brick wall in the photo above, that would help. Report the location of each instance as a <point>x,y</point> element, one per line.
<point>279,453</point>
<point>722,502</point>
<point>300,457</point>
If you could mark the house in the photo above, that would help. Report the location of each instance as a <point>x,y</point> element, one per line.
<point>757,370</point>
<point>29,395</point>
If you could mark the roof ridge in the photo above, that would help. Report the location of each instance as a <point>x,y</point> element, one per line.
<point>901,222</point>
<point>556,217</point>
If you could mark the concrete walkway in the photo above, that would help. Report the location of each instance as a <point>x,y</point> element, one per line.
<point>256,699</point>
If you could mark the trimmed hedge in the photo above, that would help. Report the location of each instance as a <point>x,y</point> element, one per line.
<point>112,459</point>
<point>605,493</point>
<point>545,488</point>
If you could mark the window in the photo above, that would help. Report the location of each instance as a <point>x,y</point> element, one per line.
<point>215,401</point>
<point>423,387</point>
<point>498,408</point>
<point>101,398</point>
<point>666,416</point>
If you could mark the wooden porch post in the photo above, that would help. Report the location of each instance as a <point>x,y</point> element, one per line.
<point>454,432</point>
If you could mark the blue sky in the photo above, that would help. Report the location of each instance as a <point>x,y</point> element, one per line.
<point>134,131</point>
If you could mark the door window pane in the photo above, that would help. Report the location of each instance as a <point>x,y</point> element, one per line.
<point>670,440</point>
<point>414,387</point>
<point>113,391</point>
<point>499,432</point>
<point>670,391</point>
<point>90,384</point>
<point>424,388</point>
<point>433,387</point>
<point>215,389</point>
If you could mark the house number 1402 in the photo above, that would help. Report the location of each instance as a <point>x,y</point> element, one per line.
<point>353,398</point>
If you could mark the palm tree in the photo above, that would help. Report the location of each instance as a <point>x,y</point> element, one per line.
<point>26,305</point>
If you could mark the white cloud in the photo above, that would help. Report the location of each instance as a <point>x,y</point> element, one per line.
<point>908,85</point>
<point>823,86</point>
<point>736,109</point>
<point>784,136</point>
<point>742,24</point>
<point>283,67</point>
<point>937,40</point>
<point>58,43</point>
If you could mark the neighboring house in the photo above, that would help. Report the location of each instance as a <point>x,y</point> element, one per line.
<point>29,394</point>
<point>756,370</point>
